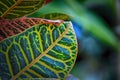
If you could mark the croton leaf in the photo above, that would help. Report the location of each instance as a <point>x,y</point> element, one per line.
<point>10,9</point>
<point>36,48</point>
<point>54,16</point>
<point>15,26</point>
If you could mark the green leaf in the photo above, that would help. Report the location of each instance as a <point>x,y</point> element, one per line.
<point>45,50</point>
<point>90,22</point>
<point>54,16</point>
<point>10,9</point>
<point>51,8</point>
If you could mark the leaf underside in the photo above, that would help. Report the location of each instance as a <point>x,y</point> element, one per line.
<point>43,50</point>
<point>10,9</point>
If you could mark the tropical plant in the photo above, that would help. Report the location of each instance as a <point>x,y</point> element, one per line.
<point>34,47</point>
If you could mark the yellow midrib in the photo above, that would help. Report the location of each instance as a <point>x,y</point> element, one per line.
<point>41,55</point>
<point>11,8</point>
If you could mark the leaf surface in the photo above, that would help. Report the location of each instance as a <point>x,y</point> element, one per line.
<point>43,50</point>
<point>10,9</point>
<point>12,27</point>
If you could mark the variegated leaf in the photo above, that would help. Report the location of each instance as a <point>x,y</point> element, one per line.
<point>12,27</point>
<point>44,50</point>
<point>10,9</point>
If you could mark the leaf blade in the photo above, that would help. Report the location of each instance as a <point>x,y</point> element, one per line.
<point>55,16</point>
<point>55,60</point>
<point>14,9</point>
<point>13,27</point>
